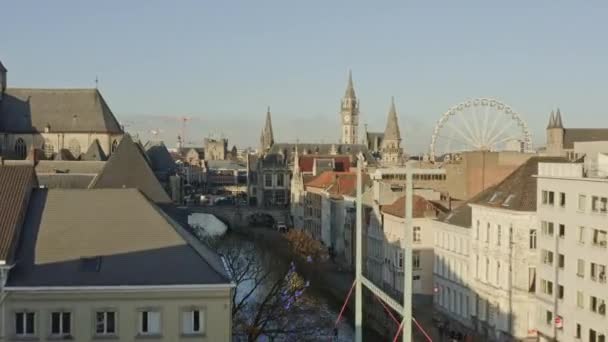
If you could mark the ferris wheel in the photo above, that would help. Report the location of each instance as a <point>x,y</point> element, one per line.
<point>482,124</point>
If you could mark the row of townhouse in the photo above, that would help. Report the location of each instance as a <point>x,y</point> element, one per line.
<point>526,259</point>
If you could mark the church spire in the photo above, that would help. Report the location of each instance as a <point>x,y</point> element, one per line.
<point>267,138</point>
<point>392,125</point>
<point>558,119</point>
<point>551,120</point>
<point>296,162</point>
<point>349,112</point>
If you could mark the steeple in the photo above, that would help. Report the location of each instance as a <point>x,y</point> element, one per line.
<point>391,144</point>
<point>296,162</point>
<point>349,112</point>
<point>350,88</point>
<point>267,138</point>
<point>558,119</point>
<point>551,120</point>
<point>392,125</point>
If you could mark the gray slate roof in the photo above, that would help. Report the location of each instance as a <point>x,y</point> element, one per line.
<point>225,165</point>
<point>520,186</point>
<point>64,110</point>
<point>94,152</point>
<point>572,135</point>
<point>66,180</point>
<point>128,168</point>
<point>69,166</point>
<point>323,149</point>
<point>159,157</point>
<point>392,125</point>
<point>138,243</point>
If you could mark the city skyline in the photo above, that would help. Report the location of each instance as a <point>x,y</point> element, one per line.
<point>225,64</point>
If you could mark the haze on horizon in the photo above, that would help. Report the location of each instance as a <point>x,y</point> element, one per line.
<point>224,63</point>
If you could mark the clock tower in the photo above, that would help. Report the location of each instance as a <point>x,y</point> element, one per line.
<point>349,111</point>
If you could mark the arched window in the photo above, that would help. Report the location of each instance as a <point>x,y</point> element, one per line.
<point>74,148</point>
<point>114,145</point>
<point>48,148</point>
<point>20,149</point>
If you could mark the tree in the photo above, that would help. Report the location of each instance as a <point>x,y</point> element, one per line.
<point>268,300</point>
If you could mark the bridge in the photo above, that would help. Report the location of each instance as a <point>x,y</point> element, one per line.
<point>240,216</point>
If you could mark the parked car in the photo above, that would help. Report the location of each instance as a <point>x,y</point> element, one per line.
<point>281,227</point>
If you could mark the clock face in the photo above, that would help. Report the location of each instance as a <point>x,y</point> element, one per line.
<point>347,118</point>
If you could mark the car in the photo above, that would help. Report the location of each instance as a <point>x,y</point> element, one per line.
<point>281,227</point>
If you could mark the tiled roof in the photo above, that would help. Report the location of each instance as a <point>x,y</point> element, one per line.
<point>518,190</point>
<point>342,163</point>
<point>137,244</point>
<point>94,152</point>
<point>321,149</point>
<point>422,207</point>
<point>129,168</point>
<point>344,185</point>
<point>16,185</point>
<point>64,110</point>
<point>323,180</point>
<point>572,135</point>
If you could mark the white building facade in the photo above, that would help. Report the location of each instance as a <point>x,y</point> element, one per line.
<point>573,253</point>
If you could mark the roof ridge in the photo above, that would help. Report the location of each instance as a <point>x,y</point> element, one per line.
<point>53,89</point>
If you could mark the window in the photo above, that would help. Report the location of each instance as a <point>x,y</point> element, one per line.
<point>498,233</point>
<point>280,180</point>
<point>582,201</point>
<point>599,238</point>
<point>581,235</point>
<point>268,180</point>
<point>25,324</point>
<point>105,323</point>
<point>477,266</point>
<point>561,260</point>
<point>477,231</point>
<point>149,322</point>
<point>532,238</point>
<point>580,268</point>
<point>20,149</point>
<point>549,317</point>
<point>61,323</point>
<point>598,272</point>
<point>547,257</point>
<point>546,287</point>
<point>399,259</point>
<point>415,260</point>
<point>498,273</point>
<point>545,197</point>
<point>561,231</point>
<point>551,198</point>
<point>546,228</point>
<point>562,199</point>
<point>580,299</point>
<point>193,322</point>
<point>599,204</point>
<point>417,235</point>
<point>578,331</point>
<point>114,146</point>
<point>597,305</point>
<point>560,291</point>
<point>487,269</point>
<point>532,279</point>
<point>488,232</point>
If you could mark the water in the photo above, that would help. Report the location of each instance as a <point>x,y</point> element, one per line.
<point>317,311</point>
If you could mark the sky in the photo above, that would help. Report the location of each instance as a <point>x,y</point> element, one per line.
<point>223,62</point>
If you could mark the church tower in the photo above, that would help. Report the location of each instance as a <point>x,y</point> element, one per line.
<point>391,145</point>
<point>267,137</point>
<point>349,111</point>
<point>555,134</point>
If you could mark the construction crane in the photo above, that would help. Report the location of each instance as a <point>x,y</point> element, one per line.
<point>183,120</point>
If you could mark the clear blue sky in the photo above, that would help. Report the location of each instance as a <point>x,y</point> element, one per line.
<point>225,61</point>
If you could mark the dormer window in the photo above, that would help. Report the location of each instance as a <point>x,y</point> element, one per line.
<point>507,201</point>
<point>494,197</point>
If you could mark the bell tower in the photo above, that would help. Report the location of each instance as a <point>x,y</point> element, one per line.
<point>349,112</point>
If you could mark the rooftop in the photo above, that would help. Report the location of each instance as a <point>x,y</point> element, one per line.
<point>422,207</point>
<point>62,110</point>
<point>134,242</point>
